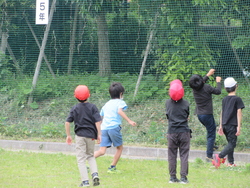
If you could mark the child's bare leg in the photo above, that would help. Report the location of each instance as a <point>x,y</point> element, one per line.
<point>117,155</point>
<point>100,152</point>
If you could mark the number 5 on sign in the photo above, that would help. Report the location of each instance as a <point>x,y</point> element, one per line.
<point>42,12</point>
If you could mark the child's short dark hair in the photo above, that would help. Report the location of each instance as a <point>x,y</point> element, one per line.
<point>196,82</point>
<point>231,89</point>
<point>81,100</point>
<point>115,90</point>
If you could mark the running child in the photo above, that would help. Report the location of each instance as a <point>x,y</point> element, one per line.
<point>230,122</point>
<point>87,120</point>
<point>112,113</point>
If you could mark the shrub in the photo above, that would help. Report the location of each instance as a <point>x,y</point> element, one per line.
<point>54,98</point>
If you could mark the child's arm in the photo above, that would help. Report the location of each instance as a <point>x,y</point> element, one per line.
<point>220,131</point>
<point>67,129</point>
<point>99,132</point>
<point>217,89</point>
<point>210,72</point>
<point>124,116</point>
<point>239,117</point>
<point>218,79</point>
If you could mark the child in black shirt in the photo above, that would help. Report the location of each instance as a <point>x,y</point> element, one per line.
<point>230,122</point>
<point>87,122</point>
<point>178,135</point>
<point>204,106</point>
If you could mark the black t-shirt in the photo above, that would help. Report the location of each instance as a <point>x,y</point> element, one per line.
<point>203,98</point>
<point>84,116</point>
<point>177,114</point>
<point>230,106</point>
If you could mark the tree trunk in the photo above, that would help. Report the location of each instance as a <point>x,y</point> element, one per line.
<point>16,64</point>
<point>39,46</point>
<point>41,54</point>
<point>103,45</point>
<point>145,56</point>
<point>72,39</point>
<point>4,42</point>
<point>143,63</point>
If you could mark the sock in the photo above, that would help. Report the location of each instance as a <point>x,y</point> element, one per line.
<point>112,166</point>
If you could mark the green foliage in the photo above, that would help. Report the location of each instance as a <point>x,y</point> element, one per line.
<point>15,131</point>
<point>199,140</point>
<point>47,114</point>
<point>214,3</point>
<point>241,41</point>
<point>156,134</point>
<point>2,126</point>
<point>34,105</point>
<point>23,131</point>
<point>52,130</point>
<point>243,140</point>
<point>180,46</point>
<point>48,88</point>
<point>190,39</point>
<point>183,49</point>
<point>4,69</point>
<point>198,162</point>
<point>152,90</point>
<point>128,47</point>
<point>97,6</point>
<point>17,89</point>
<point>247,168</point>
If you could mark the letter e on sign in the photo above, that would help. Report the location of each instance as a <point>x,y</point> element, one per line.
<point>42,12</point>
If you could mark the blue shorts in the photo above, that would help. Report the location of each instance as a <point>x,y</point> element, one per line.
<point>111,136</point>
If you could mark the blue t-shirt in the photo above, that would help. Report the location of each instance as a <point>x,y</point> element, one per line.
<point>109,112</point>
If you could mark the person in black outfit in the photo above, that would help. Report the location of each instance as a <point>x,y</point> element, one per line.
<point>87,120</point>
<point>204,107</point>
<point>230,122</point>
<point>178,135</point>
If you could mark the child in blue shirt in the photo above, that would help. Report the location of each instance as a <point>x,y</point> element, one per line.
<point>112,113</point>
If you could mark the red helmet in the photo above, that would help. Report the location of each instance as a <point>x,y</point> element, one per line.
<point>176,91</point>
<point>82,92</point>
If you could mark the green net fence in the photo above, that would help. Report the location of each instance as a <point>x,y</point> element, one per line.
<point>50,47</point>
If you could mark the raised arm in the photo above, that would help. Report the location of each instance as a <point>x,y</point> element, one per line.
<point>217,89</point>
<point>210,73</point>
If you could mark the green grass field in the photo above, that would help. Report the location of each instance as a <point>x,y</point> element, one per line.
<point>22,169</point>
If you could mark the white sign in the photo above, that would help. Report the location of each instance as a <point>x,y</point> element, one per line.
<point>42,12</point>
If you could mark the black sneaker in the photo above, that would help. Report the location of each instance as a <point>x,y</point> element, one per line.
<point>95,178</point>
<point>174,180</point>
<point>184,180</point>
<point>84,184</point>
